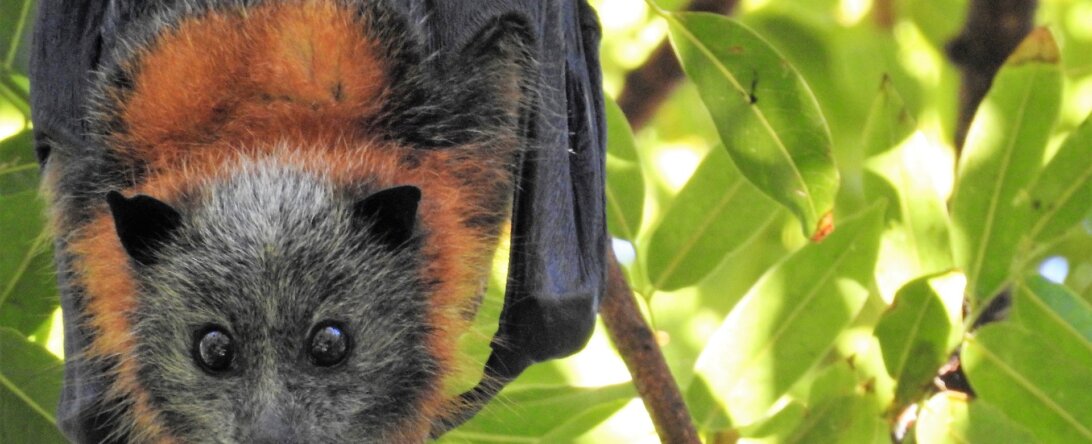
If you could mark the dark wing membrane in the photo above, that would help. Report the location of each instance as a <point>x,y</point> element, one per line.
<point>556,274</point>
<point>559,238</point>
<point>67,46</point>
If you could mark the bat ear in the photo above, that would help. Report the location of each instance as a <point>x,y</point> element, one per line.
<point>390,214</point>
<point>143,224</point>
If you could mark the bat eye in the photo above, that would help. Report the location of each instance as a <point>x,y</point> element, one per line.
<point>329,344</point>
<point>214,349</point>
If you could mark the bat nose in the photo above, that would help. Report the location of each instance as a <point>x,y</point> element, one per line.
<point>274,427</point>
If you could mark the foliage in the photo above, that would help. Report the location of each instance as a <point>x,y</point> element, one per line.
<point>800,116</point>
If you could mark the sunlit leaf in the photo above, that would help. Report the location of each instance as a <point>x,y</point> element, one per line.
<point>778,426</point>
<point>1063,193</point>
<point>833,381</point>
<point>1003,153</point>
<point>30,386</point>
<point>785,324</point>
<point>625,182</point>
<point>765,114</point>
<point>938,20</point>
<point>716,213</point>
<point>1035,366</point>
<point>580,423</point>
<point>917,334</point>
<point>916,242</point>
<point>950,418</point>
<point>529,414</point>
<point>889,122</point>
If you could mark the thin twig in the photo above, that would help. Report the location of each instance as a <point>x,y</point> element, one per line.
<point>637,345</point>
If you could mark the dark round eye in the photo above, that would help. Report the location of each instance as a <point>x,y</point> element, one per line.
<point>214,349</point>
<point>329,344</point>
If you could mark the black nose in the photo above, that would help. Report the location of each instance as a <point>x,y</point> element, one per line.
<point>273,427</point>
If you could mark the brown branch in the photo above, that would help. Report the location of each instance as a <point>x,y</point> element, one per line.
<point>645,90</point>
<point>883,14</point>
<point>637,345</point>
<point>648,85</point>
<point>992,31</point>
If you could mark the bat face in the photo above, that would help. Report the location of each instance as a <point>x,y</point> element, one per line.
<point>258,321</point>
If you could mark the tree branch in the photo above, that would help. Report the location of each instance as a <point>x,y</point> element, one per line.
<point>992,31</point>
<point>650,84</point>
<point>637,345</point>
<point>645,90</point>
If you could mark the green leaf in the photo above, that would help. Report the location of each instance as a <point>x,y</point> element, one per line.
<point>14,26</point>
<point>766,115</point>
<point>833,381</point>
<point>28,294</point>
<point>531,414</point>
<point>917,240</point>
<point>580,423</point>
<point>938,20</point>
<point>1055,312</point>
<point>889,123</point>
<point>785,324</point>
<point>625,181</point>
<point>18,168</point>
<point>715,214</point>
<point>1061,196</point>
<point>1035,366</point>
<point>777,426</point>
<point>29,300</point>
<point>916,335</point>
<point>30,386</point>
<point>844,419</point>
<point>949,418</point>
<point>1003,153</point>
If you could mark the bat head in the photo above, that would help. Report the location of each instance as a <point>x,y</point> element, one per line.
<point>267,302</point>
<point>274,307</point>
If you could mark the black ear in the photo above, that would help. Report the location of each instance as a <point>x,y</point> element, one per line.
<point>143,224</point>
<point>390,213</point>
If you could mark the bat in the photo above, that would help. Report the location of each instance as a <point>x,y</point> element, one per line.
<point>116,207</point>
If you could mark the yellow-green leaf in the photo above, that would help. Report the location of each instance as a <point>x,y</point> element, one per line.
<point>533,413</point>
<point>765,114</point>
<point>30,386</point>
<point>1035,366</point>
<point>785,324</point>
<point>917,334</point>
<point>1003,154</point>
<point>625,181</point>
<point>950,418</point>
<point>715,214</point>
<point>1063,193</point>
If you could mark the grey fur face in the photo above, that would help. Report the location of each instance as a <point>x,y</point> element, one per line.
<point>266,257</point>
